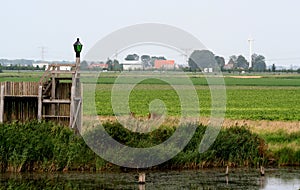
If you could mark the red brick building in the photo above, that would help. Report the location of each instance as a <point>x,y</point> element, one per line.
<point>164,64</point>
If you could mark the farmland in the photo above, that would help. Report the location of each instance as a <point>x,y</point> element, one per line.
<point>268,104</point>
<point>267,97</point>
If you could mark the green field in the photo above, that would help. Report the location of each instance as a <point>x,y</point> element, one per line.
<point>256,103</point>
<point>271,97</point>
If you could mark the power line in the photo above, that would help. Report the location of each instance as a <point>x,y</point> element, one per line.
<point>43,51</point>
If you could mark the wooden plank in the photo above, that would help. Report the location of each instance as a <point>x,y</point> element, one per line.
<point>40,105</point>
<point>63,64</point>
<point>56,116</point>
<point>76,115</point>
<point>22,96</point>
<point>60,101</point>
<point>72,106</point>
<point>53,95</point>
<point>2,104</point>
<point>62,72</point>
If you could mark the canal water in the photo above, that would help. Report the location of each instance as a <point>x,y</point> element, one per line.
<point>280,178</point>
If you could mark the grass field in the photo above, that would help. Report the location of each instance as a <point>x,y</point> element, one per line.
<point>270,97</point>
<point>265,99</point>
<point>256,103</point>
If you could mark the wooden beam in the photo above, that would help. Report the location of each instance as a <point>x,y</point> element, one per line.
<point>40,94</point>
<point>72,105</point>
<point>62,72</point>
<point>56,116</point>
<point>53,94</point>
<point>2,104</point>
<point>63,64</point>
<point>60,101</point>
<point>76,114</point>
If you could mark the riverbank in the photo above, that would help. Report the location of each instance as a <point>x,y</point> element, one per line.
<point>47,147</point>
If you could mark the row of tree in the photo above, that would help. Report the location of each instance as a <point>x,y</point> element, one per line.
<point>201,59</point>
<point>20,67</point>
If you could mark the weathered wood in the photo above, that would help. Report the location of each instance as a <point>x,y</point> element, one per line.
<point>2,104</point>
<point>76,118</point>
<point>59,101</point>
<point>57,116</point>
<point>62,72</point>
<point>56,97</point>
<point>53,94</point>
<point>40,93</point>
<point>72,108</point>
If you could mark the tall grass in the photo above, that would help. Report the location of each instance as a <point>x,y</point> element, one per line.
<point>47,147</point>
<point>41,146</point>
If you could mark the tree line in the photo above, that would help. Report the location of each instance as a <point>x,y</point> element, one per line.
<point>201,59</point>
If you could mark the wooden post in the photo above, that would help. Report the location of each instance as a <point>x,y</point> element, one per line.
<point>2,104</point>
<point>40,93</point>
<point>227,170</point>
<point>142,178</point>
<point>262,171</point>
<point>53,94</point>
<point>81,107</point>
<point>72,106</point>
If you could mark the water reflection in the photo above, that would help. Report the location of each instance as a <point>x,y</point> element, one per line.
<point>287,178</point>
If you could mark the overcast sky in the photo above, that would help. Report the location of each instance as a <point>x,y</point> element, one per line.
<point>222,26</point>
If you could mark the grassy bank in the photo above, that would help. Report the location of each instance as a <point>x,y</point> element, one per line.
<point>47,147</point>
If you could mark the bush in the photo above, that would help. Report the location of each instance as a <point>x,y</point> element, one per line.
<point>41,146</point>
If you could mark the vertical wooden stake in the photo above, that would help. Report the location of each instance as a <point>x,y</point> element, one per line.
<point>2,104</point>
<point>142,178</point>
<point>40,93</point>
<point>53,95</point>
<point>227,170</point>
<point>72,106</point>
<point>262,171</point>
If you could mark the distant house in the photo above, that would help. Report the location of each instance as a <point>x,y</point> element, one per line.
<point>164,64</point>
<point>132,65</point>
<point>98,66</point>
<point>229,65</point>
<point>41,65</point>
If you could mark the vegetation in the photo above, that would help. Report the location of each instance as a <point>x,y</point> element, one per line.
<point>254,103</point>
<point>41,146</point>
<point>285,146</point>
<point>47,147</point>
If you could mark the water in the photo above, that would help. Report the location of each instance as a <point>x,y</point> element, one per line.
<point>286,178</point>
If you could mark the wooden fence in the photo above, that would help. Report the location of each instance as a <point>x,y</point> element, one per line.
<point>20,88</point>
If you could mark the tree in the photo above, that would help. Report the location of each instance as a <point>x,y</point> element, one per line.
<point>258,62</point>
<point>201,59</point>
<point>132,57</point>
<point>241,62</point>
<point>110,64</point>
<point>220,61</point>
<point>273,68</point>
<point>116,66</point>
<point>83,65</point>
<point>146,60</point>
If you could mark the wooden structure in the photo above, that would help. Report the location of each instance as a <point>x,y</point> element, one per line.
<point>56,97</point>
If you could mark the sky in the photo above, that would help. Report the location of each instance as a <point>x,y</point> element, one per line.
<point>222,26</point>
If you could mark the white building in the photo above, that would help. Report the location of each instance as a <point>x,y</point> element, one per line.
<point>41,65</point>
<point>132,65</point>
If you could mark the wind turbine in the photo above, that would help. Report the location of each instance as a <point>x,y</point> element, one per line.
<point>250,40</point>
